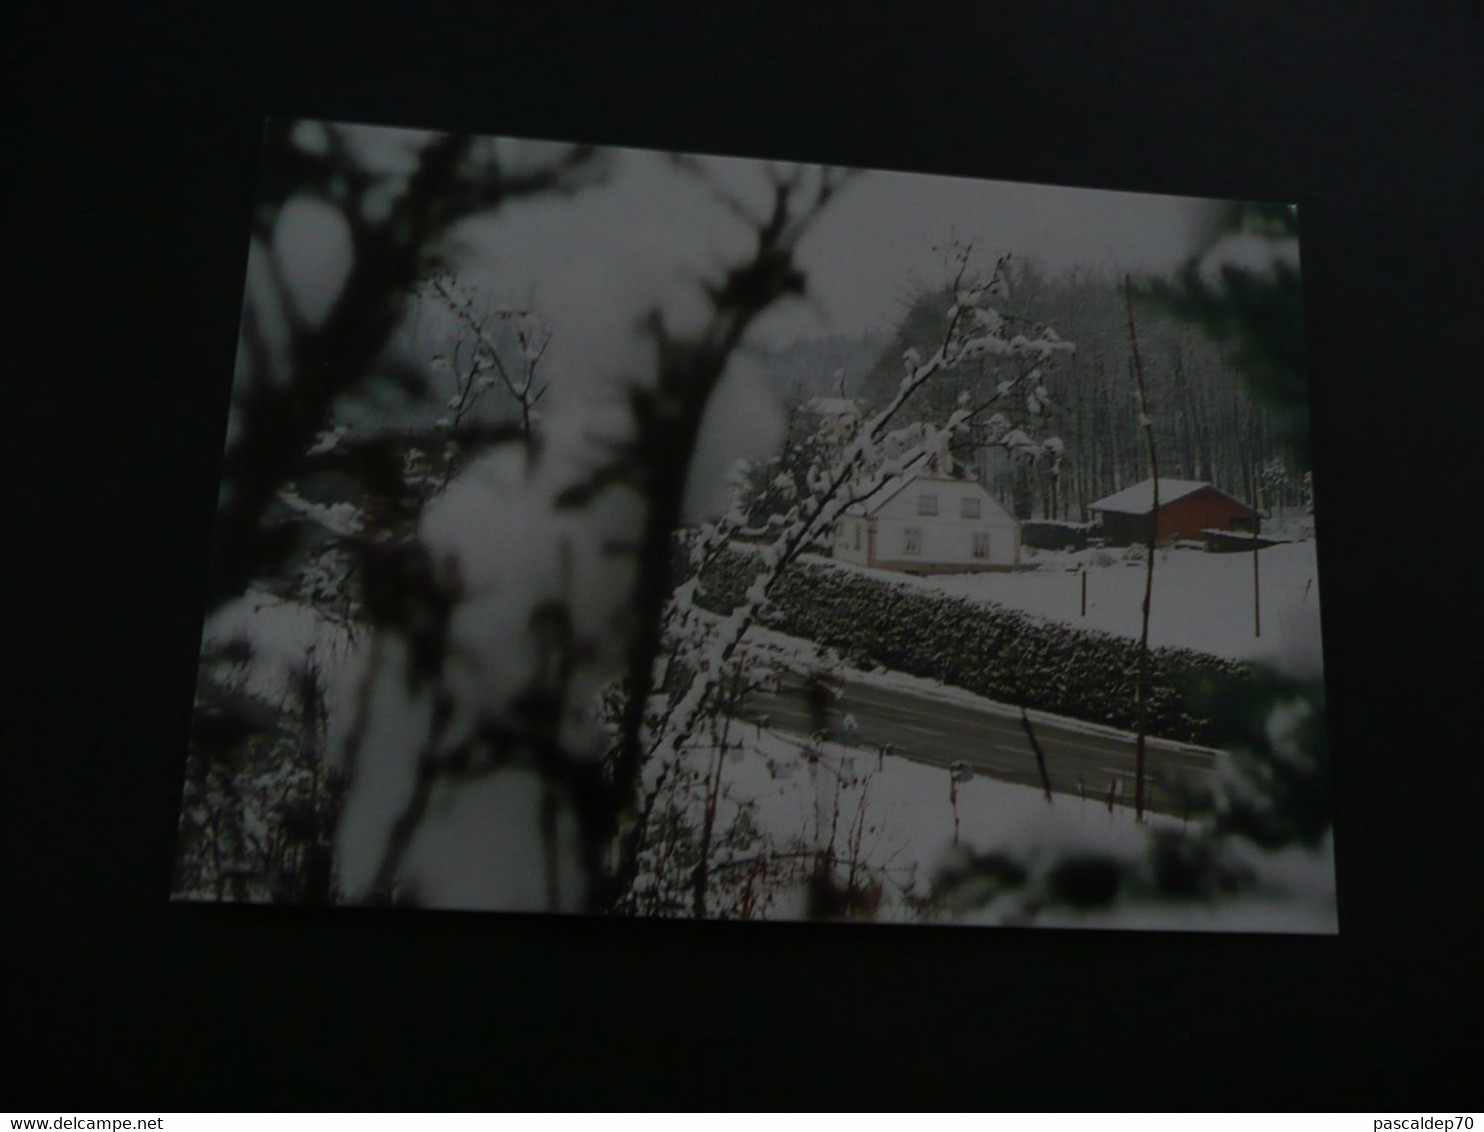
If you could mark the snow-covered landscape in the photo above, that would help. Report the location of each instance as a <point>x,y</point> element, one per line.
<point>896,819</point>
<point>844,609</point>
<point>903,823</point>
<point>1201,601</point>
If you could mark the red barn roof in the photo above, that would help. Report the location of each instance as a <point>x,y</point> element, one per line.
<point>1139,499</point>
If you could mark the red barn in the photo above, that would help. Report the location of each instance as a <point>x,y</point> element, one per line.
<point>1186,509</point>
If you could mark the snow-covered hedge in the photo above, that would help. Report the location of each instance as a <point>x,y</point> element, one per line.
<point>986,649</point>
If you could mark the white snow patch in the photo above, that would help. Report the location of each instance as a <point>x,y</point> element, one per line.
<point>909,815</point>
<point>338,518</point>
<point>311,243</point>
<point>1137,500</point>
<point>481,847</point>
<point>1248,251</point>
<point>282,635</point>
<point>385,766</point>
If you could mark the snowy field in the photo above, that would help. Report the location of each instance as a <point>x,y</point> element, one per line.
<point>902,820</point>
<point>908,813</point>
<point>1201,601</point>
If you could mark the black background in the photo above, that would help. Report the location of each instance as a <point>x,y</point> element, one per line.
<point>127,208</point>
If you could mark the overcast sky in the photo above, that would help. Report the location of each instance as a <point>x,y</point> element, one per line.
<point>653,230</point>
<point>595,264</point>
<point>644,238</point>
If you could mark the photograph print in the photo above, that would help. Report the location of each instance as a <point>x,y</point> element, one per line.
<point>645,534</point>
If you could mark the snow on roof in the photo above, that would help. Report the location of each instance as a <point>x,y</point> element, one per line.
<point>1138,500</point>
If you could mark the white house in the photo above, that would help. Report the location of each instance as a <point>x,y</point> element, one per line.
<point>929,523</point>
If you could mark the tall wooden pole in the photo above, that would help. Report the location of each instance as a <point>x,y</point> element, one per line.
<point>1141,692</point>
<point>1256,592</point>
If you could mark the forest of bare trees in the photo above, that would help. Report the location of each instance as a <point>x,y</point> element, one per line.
<point>1206,422</point>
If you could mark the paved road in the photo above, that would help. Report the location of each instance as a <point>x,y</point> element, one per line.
<point>941,732</point>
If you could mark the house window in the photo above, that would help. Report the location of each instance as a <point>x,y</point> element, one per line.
<point>981,544</point>
<point>912,540</point>
<point>968,507</point>
<point>857,536</point>
<point>927,504</point>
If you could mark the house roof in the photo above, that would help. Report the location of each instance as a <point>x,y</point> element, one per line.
<point>1138,500</point>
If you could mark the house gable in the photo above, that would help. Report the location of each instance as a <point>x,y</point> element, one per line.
<point>925,524</point>
<point>897,501</point>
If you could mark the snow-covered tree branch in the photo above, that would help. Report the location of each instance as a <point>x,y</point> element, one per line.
<point>316,326</point>
<point>706,648</point>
